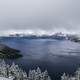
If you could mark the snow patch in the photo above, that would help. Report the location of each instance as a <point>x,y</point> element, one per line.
<point>2,78</point>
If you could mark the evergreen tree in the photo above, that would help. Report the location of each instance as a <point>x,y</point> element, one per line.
<point>77,75</point>
<point>30,75</point>
<point>15,72</point>
<point>25,75</point>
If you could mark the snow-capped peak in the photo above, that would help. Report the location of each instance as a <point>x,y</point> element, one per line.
<point>33,32</point>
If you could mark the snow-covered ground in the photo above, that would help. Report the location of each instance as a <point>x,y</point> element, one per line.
<point>2,78</point>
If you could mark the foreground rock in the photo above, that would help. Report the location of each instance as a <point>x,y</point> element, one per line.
<point>7,52</point>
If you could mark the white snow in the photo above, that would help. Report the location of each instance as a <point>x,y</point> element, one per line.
<point>2,78</point>
<point>38,32</point>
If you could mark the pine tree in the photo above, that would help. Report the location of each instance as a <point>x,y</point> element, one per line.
<point>38,74</point>
<point>77,75</point>
<point>30,75</point>
<point>15,72</point>
<point>45,75</point>
<point>38,70</point>
<point>4,69</point>
<point>65,77</point>
<point>25,75</point>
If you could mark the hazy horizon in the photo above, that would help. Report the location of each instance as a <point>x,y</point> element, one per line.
<point>36,32</point>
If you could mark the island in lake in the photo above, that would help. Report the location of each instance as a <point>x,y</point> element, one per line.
<point>8,52</point>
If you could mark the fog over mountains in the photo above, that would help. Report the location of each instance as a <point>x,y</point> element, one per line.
<point>36,32</point>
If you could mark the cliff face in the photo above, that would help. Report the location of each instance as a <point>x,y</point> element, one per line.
<point>8,52</point>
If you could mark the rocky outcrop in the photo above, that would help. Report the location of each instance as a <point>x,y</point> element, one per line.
<point>8,52</point>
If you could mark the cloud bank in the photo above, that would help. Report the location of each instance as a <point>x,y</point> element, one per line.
<point>46,15</point>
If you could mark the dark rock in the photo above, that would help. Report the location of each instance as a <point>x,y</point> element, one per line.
<point>8,52</point>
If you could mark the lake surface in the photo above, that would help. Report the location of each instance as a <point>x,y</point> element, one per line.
<point>54,55</point>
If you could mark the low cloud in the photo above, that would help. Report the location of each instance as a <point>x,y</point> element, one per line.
<point>40,14</point>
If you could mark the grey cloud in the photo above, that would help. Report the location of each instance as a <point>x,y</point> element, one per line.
<point>40,14</point>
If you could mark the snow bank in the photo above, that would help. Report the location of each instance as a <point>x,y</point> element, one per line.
<point>2,78</point>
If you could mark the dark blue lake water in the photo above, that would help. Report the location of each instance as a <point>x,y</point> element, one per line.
<point>54,55</point>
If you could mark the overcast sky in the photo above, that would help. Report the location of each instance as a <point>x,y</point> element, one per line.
<point>40,14</point>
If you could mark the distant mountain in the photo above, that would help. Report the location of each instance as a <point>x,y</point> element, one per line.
<point>74,38</point>
<point>57,36</point>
